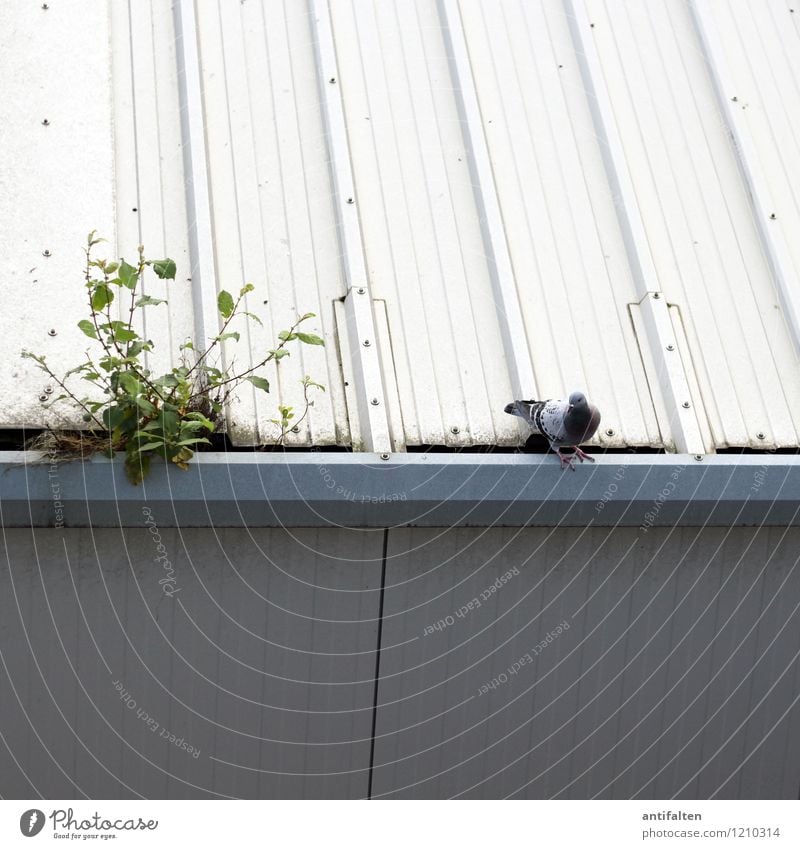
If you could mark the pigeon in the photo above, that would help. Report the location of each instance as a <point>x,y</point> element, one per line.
<point>565,424</point>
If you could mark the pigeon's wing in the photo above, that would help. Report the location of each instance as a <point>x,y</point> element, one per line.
<point>528,410</point>
<point>550,420</point>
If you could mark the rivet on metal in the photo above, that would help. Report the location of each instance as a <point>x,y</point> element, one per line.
<point>454,430</point>
<point>656,295</point>
<point>610,431</point>
<point>361,290</point>
<point>374,402</point>
<point>45,6</point>
<point>350,200</point>
<point>384,456</point>
<point>698,457</point>
<point>332,80</point>
<point>367,343</point>
<point>685,405</point>
<point>735,99</point>
<point>670,347</point>
<point>51,332</point>
<point>46,252</point>
<point>45,122</point>
<point>761,435</point>
<point>772,216</point>
<point>295,429</point>
<point>43,398</point>
<point>48,390</point>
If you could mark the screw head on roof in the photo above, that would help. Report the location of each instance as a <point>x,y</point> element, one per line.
<point>374,402</point>
<point>361,290</point>
<point>48,390</point>
<point>670,347</point>
<point>735,99</point>
<point>51,331</point>
<point>609,431</point>
<point>761,435</point>
<point>656,296</point>
<point>772,216</point>
<point>46,252</point>
<point>455,430</point>
<point>45,122</point>
<point>350,200</point>
<point>43,398</point>
<point>332,80</point>
<point>685,405</point>
<point>296,429</point>
<point>45,6</point>
<point>384,456</point>
<point>698,457</point>
<point>367,343</point>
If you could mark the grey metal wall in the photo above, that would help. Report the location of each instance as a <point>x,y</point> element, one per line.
<point>677,675</point>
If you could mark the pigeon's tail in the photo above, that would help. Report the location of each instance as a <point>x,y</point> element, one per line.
<point>527,410</point>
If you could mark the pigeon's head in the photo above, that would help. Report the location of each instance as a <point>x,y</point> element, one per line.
<point>577,401</point>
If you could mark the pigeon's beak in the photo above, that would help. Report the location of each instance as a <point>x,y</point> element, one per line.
<point>571,406</point>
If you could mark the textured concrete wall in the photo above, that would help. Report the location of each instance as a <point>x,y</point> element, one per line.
<point>650,664</point>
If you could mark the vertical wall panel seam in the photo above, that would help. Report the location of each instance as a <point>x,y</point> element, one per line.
<point>378,649</point>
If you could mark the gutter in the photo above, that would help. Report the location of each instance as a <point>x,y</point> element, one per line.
<point>327,489</point>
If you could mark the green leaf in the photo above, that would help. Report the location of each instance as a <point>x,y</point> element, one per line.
<point>91,239</point>
<point>248,287</point>
<point>88,328</point>
<point>128,275</point>
<point>122,333</point>
<point>259,382</point>
<point>111,267</point>
<point>147,301</point>
<point>101,296</point>
<point>145,406</point>
<point>278,353</point>
<point>199,418</point>
<point>232,335</point>
<point>310,338</point>
<point>164,268</point>
<point>225,303</point>
<point>253,316</point>
<point>307,316</point>
<point>150,446</point>
<point>286,336</point>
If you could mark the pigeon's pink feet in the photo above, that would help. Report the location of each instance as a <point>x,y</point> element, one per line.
<point>568,460</point>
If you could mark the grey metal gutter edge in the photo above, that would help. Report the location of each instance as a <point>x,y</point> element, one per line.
<point>319,489</point>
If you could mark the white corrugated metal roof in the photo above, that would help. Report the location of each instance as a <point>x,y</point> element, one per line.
<point>553,195</point>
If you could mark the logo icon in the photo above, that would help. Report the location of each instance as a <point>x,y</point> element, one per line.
<point>31,822</point>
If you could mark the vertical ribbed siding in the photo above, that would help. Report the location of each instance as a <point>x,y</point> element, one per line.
<point>675,678</point>
<point>699,222</point>
<point>271,203</point>
<point>422,236</point>
<point>558,212</point>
